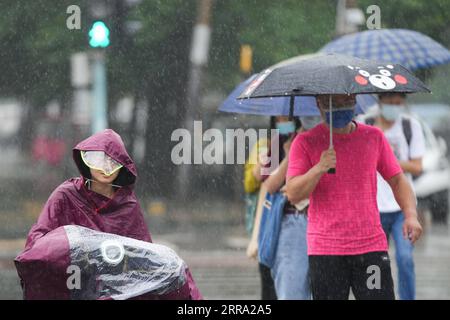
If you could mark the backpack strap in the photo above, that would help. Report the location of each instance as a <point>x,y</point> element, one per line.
<point>407,131</point>
<point>370,121</point>
<point>406,126</point>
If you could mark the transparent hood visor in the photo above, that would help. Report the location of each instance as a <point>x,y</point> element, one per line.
<point>98,160</point>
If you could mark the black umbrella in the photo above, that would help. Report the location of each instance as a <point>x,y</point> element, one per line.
<point>333,74</point>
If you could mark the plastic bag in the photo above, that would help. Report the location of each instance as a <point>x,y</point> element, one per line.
<point>109,267</point>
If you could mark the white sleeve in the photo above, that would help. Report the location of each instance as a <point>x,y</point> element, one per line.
<point>417,146</point>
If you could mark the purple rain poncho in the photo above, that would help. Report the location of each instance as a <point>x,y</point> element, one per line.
<point>43,264</point>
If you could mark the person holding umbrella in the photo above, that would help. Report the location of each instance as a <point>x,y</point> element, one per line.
<point>290,269</point>
<point>335,165</point>
<point>345,237</point>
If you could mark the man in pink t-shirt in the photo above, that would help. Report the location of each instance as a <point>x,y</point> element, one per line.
<point>347,247</point>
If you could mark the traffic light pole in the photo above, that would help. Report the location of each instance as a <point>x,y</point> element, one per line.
<point>99,91</point>
<point>198,59</point>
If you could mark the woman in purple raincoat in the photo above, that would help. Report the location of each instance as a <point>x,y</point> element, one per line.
<point>102,198</point>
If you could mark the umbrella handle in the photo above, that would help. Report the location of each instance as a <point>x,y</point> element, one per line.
<point>331,170</point>
<point>330,104</point>
<point>291,107</point>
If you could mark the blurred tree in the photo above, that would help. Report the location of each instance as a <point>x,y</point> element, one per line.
<point>276,30</point>
<point>430,17</point>
<point>35,46</point>
<point>152,63</point>
<point>156,68</point>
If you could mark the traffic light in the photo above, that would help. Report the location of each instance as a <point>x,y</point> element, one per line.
<point>99,35</point>
<point>246,59</point>
<point>109,23</point>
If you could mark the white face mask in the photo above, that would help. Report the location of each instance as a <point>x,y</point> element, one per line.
<point>391,112</point>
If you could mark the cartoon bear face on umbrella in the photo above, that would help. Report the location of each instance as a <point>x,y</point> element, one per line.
<point>383,80</point>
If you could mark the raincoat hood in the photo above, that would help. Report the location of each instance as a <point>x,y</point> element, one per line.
<point>110,143</point>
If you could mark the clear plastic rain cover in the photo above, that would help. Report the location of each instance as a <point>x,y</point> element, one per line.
<point>116,267</point>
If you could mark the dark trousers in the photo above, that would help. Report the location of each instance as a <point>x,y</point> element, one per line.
<point>368,275</point>
<point>267,285</point>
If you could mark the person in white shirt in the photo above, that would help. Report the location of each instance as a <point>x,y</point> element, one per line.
<point>406,138</point>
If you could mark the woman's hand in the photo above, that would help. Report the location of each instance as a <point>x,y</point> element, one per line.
<point>283,191</point>
<point>252,249</point>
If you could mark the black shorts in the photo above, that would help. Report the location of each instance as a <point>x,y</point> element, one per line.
<point>368,275</point>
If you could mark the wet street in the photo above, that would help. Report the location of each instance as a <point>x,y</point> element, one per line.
<point>227,274</point>
<point>230,275</point>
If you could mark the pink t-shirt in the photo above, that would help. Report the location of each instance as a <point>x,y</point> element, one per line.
<point>343,217</point>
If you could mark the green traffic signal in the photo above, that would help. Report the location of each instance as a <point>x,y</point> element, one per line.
<point>99,35</point>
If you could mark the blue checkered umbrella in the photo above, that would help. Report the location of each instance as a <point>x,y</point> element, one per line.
<point>409,48</point>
